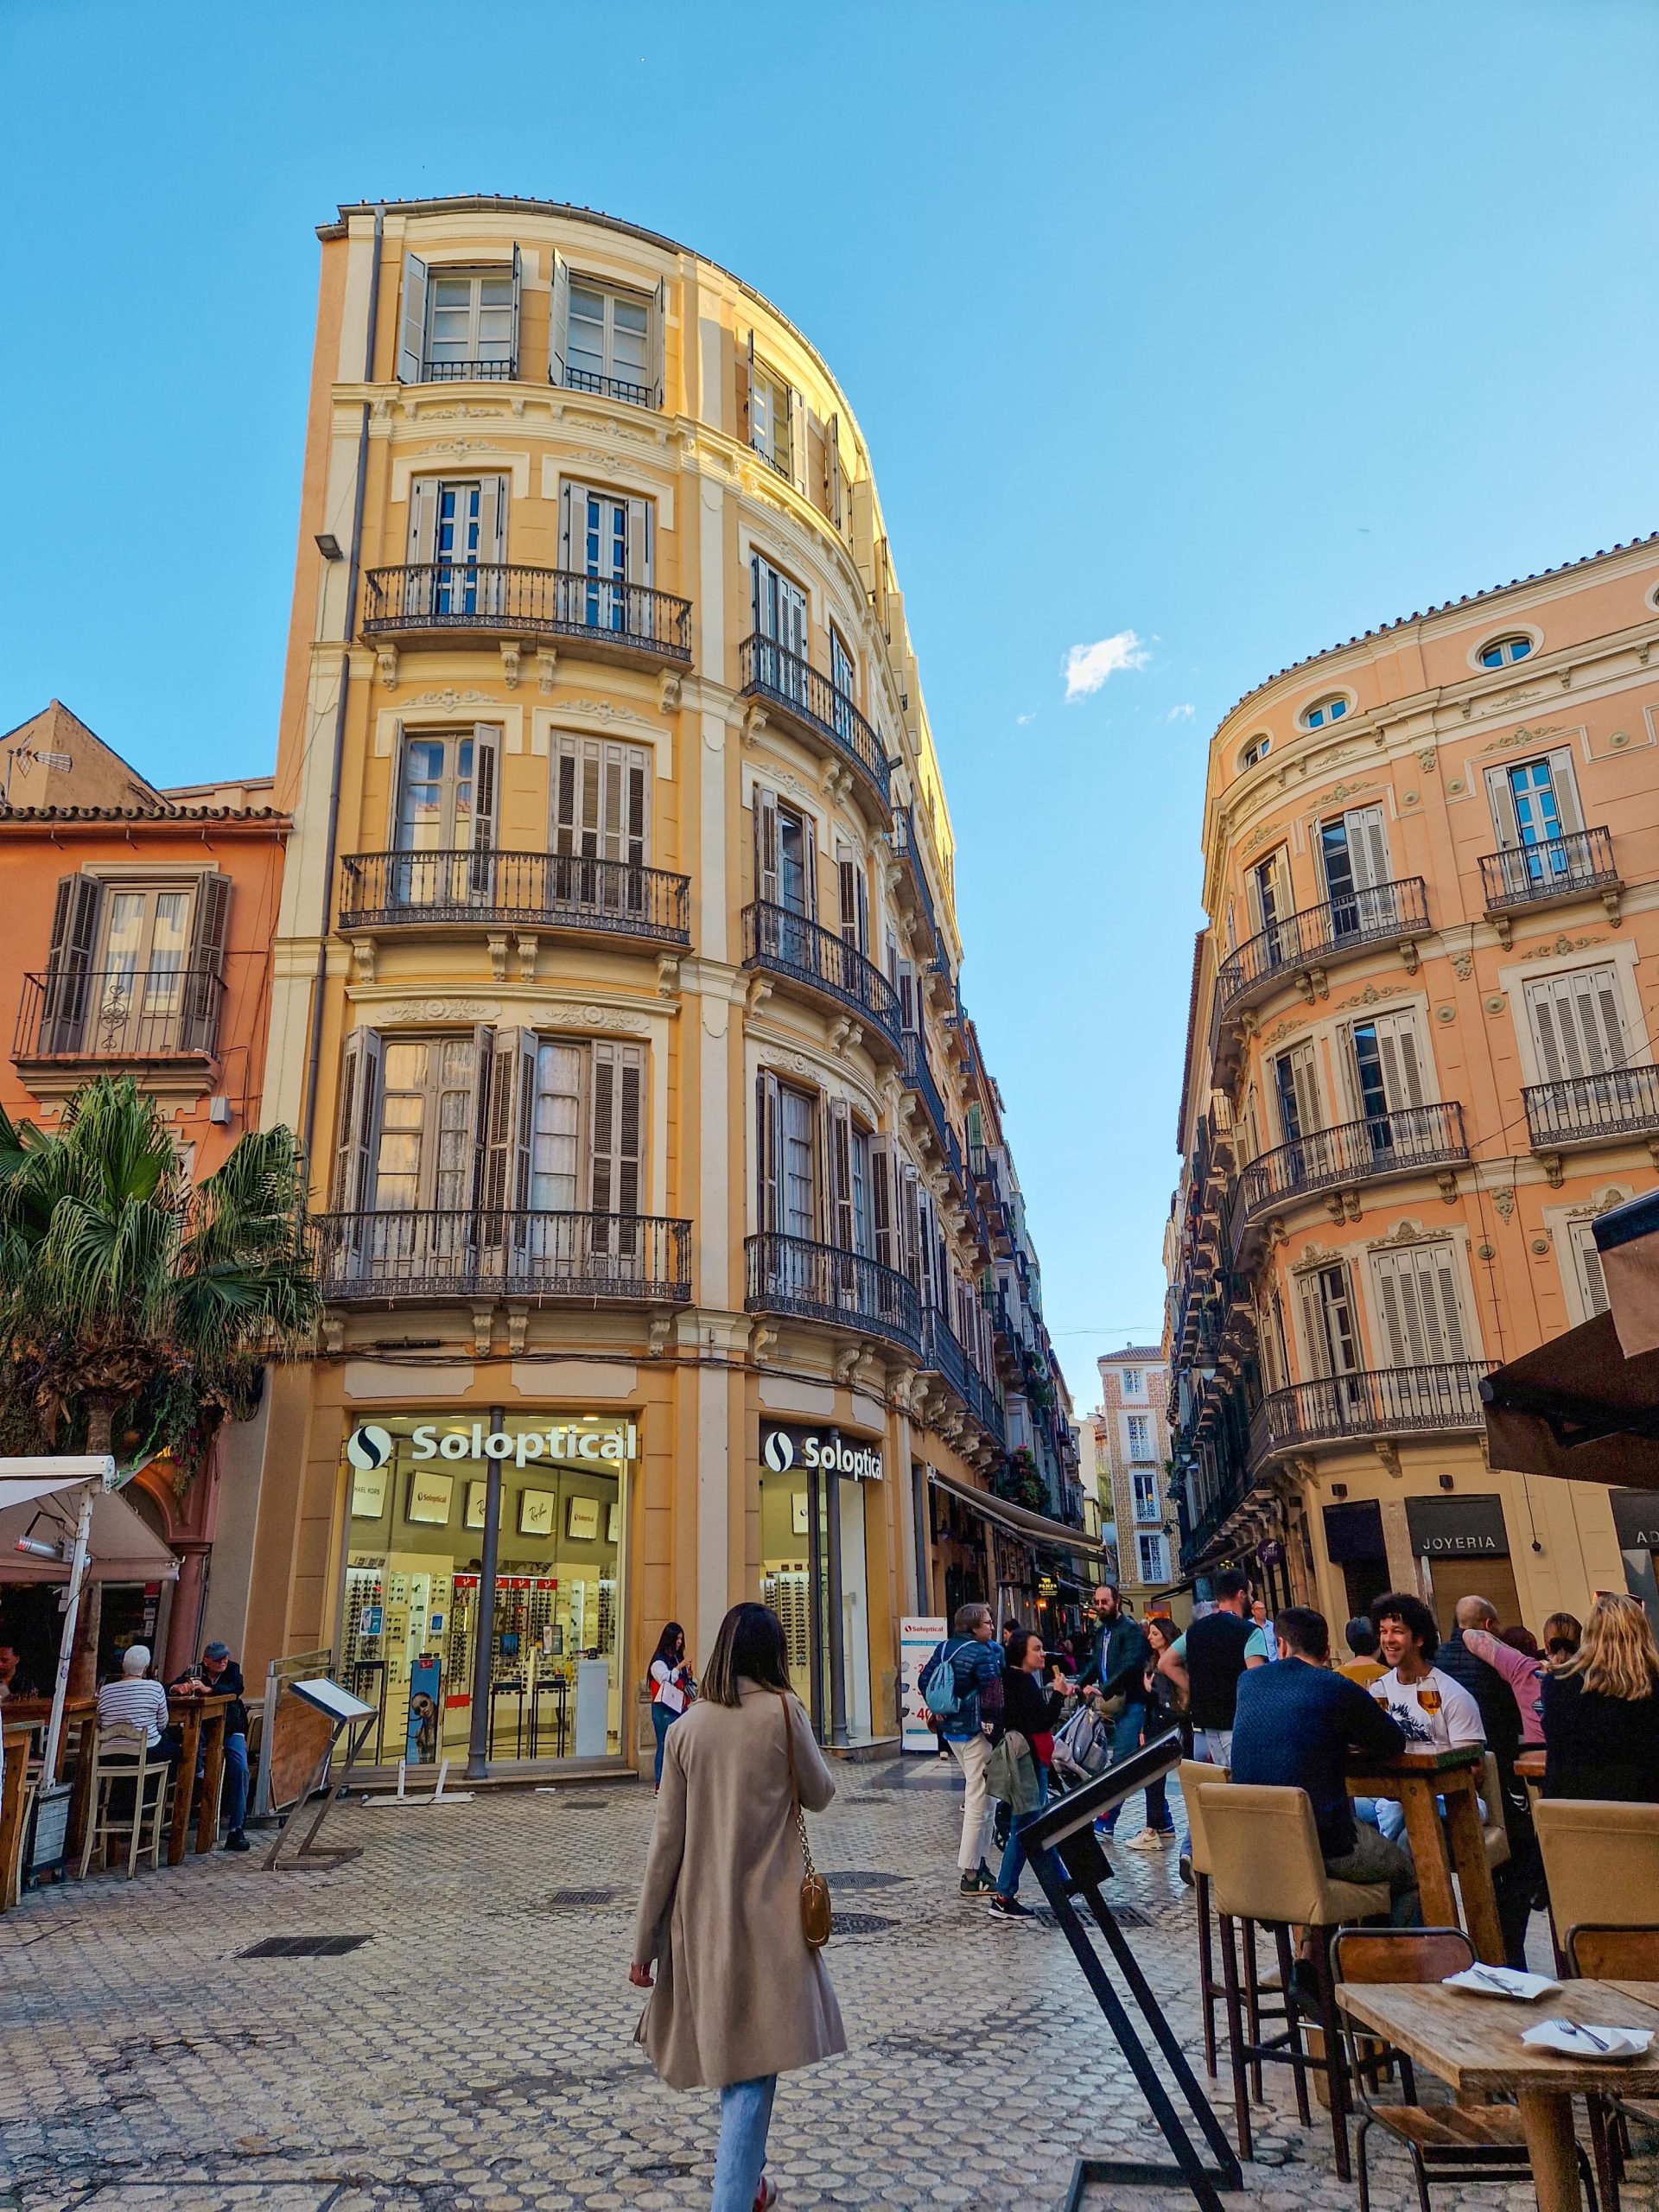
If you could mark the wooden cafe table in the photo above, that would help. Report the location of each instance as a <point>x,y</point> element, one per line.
<point>1417,1779</point>
<point>201,1735</point>
<point>80,1713</point>
<point>16,1743</point>
<point>1474,2043</point>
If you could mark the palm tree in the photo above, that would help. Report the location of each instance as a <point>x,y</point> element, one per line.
<point>124,1292</point>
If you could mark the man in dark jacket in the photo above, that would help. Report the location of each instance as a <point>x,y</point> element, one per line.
<point>1119,1661</point>
<point>1517,1883</point>
<point>219,1675</point>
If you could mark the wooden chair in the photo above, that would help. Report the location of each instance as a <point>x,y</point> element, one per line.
<point>124,1758</point>
<point>1267,1867</point>
<point>1452,2144</point>
<point>1613,1955</point>
<point>1493,1832</point>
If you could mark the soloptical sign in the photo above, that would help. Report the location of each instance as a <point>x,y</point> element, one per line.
<point>784,1446</point>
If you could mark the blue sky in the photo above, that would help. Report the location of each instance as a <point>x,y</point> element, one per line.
<point>1239,328</point>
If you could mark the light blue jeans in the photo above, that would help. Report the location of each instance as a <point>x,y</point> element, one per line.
<point>745,2116</point>
<point>1013,1852</point>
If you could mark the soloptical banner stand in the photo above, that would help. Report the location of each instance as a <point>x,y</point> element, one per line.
<point>323,1712</point>
<point>1070,1864</point>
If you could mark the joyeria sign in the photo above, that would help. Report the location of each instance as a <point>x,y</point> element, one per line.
<point>821,1451</point>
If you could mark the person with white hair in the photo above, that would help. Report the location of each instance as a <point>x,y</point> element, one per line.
<point>134,1698</point>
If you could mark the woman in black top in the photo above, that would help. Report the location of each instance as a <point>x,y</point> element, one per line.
<point>1031,1709</point>
<point>1601,1710</point>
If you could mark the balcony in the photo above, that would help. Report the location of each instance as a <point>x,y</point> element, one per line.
<point>944,1354</point>
<point>1586,1111</point>
<point>779,942</point>
<point>906,846</point>
<point>820,1283</point>
<point>1354,1152</point>
<point>1549,874</point>
<point>1383,1401</point>
<point>634,394</point>
<point>517,890</point>
<point>918,1078</point>
<point>1309,941</point>
<point>144,1016</point>
<point>587,1259</point>
<point>810,704</point>
<point>426,602</point>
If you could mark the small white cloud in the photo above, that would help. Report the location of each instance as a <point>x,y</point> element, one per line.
<point>1087,667</point>
<point>1180,713</point>
<point>1024,721</point>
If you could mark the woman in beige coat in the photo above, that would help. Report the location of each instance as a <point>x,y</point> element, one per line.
<point>739,1997</point>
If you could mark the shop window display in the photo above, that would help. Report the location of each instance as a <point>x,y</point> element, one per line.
<point>410,1614</point>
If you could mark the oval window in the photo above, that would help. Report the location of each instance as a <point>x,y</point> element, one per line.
<point>1257,749</point>
<point>1503,651</point>
<point>1325,710</point>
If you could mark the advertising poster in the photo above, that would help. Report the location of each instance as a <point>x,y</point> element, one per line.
<point>918,1634</point>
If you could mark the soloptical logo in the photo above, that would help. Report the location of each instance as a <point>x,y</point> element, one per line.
<point>779,1453</point>
<point>369,1447</point>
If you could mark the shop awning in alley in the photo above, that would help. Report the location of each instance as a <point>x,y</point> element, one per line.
<point>1577,1408</point>
<point>1020,1520</point>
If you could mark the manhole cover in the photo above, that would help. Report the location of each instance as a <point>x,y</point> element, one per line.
<point>303,1946</point>
<point>1126,1915</point>
<point>580,1896</point>
<point>862,1924</point>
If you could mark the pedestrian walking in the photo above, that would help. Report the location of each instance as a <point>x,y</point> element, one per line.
<point>954,1682</point>
<point>671,1690</point>
<point>739,1995</point>
<point>1206,1662</point>
<point>1030,1712</point>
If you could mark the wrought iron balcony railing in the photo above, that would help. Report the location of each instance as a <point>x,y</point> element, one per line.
<point>491,372</point>
<point>918,1078</point>
<point>783,943</point>
<point>1582,860</point>
<point>907,846</point>
<point>1353,1151</point>
<point>1590,1108</point>
<point>1384,914</point>
<point>945,1355</point>
<point>784,680</point>
<point>636,395</point>
<point>820,1283</point>
<point>501,597</point>
<point>520,890</point>
<point>585,1258</point>
<point>119,1014</point>
<point>1379,1402</point>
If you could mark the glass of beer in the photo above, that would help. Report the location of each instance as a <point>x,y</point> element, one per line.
<point>1429,1698</point>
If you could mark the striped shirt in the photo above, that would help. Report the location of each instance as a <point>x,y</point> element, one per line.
<point>136,1700</point>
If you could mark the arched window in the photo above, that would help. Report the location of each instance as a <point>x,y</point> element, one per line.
<point>1325,710</point>
<point>1503,651</point>
<point>1257,749</point>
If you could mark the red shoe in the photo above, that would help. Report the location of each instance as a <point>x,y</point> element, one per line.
<point>767,2196</point>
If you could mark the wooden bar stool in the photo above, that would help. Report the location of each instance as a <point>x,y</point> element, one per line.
<point>1194,1777</point>
<point>123,1758</point>
<point>1266,1866</point>
<point>1601,1864</point>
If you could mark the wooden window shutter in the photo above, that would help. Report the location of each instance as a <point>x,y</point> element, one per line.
<point>566,773</point>
<point>843,1222</point>
<point>1313,1335</point>
<point>506,1060</point>
<point>210,915</point>
<point>518,296</point>
<point>765,846</point>
<point>1398,1049</point>
<point>1576,1023</point>
<point>422,518</point>
<point>658,342</point>
<point>492,520</point>
<point>486,738</point>
<point>975,1125</point>
<point>1501,801</point>
<point>636,834</point>
<point>1567,792</point>
<point>743,363</point>
<point>847,886</point>
<point>74,935</point>
<point>910,1224</point>
<point>768,1155</point>
<point>573,509</point>
<point>411,322</point>
<point>881,1205</point>
<point>640,549</point>
<point>1368,846</point>
<point>359,1093</point>
<point>558,331</point>
<point>618,1127</point>
<point>795,419</point>
<point>833,491</point>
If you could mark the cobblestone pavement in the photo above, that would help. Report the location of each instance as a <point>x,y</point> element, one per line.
<point>476,2051</point>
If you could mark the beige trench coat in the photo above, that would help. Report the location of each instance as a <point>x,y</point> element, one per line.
<point>739,1994</point>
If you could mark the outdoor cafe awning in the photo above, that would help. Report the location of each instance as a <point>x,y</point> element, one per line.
<point>1020,1520</point>
<point>44,1501</point>
<point>1577,1408</point>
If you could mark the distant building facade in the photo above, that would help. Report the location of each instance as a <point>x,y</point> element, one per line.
<point>1132,1432</point>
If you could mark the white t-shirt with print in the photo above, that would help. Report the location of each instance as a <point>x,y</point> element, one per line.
<point>1456,1723</point>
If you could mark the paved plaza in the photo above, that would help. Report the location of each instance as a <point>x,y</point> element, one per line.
<point>475,2052</point>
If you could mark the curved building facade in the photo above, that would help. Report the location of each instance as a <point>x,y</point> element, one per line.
<point>671,1250</point>
<point>1420,1061</point>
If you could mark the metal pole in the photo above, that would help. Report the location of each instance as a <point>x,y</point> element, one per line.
<point>837,1626</point>
<point>815,1610</point>
<point>478,1733</point>
<point>67,1642</point>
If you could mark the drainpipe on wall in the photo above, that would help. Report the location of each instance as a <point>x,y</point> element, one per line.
<point>314,1053</point>
<point>478,1730</point>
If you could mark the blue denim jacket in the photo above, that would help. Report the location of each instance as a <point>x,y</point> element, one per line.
<point>973,1664</point>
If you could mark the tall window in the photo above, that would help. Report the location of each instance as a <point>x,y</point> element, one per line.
<point>770,422</point>
<point>1133,1382</point>
<point>447,790</point>
<point>134,966</point>
<point>1388,1065</point>
<point>606,540</point>
<point>601,796</point>
<point>1296,1093</point>
<point>608,344</point>
<point>457,539</point>
<point>1150,1553</point>
<point>785,855</point>
<point>1417,1296</point>
<point>1354,851</point>
<point>779,608</point>
<point>422,1150</point>
<point>470,326</point>
<point>1144,1485</point>
<point>1140,1436</point>
<point>1586,1269</point>
<point>1534,806</point>
<point>1331,1339</point>
<point>1576,1024</point>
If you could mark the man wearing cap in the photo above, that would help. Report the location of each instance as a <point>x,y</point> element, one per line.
<point>219,1675</point>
